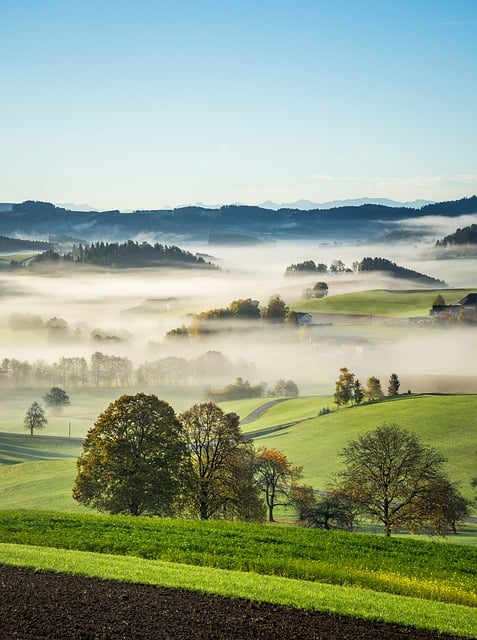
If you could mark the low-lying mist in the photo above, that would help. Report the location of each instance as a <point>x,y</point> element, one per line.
<point>128,313</point>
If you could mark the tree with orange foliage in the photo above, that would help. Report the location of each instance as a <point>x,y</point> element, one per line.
<point>274,475</point>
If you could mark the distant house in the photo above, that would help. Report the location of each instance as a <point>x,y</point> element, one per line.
<point>302,318</point>
<point>465,308</point>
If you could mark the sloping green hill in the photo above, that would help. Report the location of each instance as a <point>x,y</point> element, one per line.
<point>40,471</point>
<point>446,422</point>
<point>382,302</point>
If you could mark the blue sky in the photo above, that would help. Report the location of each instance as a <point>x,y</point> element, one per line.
<point>149,103</point>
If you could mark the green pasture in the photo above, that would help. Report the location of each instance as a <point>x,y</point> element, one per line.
<point>447,423</point>
<point>36,470</point>
<point>415,583</point>
<point>382,302</point>
<point>86,404</point>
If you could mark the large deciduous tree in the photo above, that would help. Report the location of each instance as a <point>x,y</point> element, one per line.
<point>274,475</point>
<point>35,418</point>
<point>222,463</point>
<point>134,459</point>
<point>392,478</point>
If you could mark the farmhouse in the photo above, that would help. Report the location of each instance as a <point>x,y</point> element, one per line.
<point>465,309</point>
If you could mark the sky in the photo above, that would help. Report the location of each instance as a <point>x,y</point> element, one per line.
<point>150,103</point>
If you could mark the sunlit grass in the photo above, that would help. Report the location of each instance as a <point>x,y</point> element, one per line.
<point>380,302</point>
<point>362,603</point>
<point>402,566</point>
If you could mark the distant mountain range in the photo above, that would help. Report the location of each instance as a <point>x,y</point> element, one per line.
<point>307,205</point>
<point>360,221</point>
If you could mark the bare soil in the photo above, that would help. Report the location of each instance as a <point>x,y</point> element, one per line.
<point>52,606</point>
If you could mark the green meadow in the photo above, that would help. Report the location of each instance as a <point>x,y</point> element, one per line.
<point>381,302</point>
<point>422,583</point>
<point>35,471</point>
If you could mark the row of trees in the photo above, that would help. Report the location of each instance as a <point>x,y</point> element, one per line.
<point>126,254</point>
<point>275,311</point>
<point>103,370</point>
<point>243,389</point>
<point>348,388</point>
<point>366,264</point>
<point>140,458</point>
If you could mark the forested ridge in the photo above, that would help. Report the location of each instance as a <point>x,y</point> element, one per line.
<point>126,254</point>
<point>370,220</point>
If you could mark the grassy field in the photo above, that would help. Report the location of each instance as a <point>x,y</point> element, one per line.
<point>380,302</point>
<point>86,405</point>
<point>389,579</point>
<point>446,422</point>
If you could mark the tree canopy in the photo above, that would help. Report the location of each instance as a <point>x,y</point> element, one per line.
<point>274,474</point>
<point>35,418</point>
<point>134,459</point>
<point>393,478</point>
<point>222,463</point>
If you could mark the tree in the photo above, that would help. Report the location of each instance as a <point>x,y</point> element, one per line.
<point>358,392</point>
<point>276,311</point>
<point>390,475</point>
<point>373,389</point>
<point>56,398</point>
<point>344,387</point>
<point>274,473</point>
<point>302,498</point>
<point>135,459</point>
<point>329,512</point>
<point>222,464</point>
<point>320,290</point>
<point>287,388</point>
<point>248,308</point>
<point>445,506</point>
<point>35,418</point>
<point>439,301</point>
<point>393,386</point>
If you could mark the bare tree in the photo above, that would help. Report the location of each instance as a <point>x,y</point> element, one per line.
<point>35,418</point>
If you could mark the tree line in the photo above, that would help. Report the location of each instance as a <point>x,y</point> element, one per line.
<point>365,265</point>
<point>126,254</point>
<point>103,370</point>
<point>348,388</point>
<point>206,322</point>
<point>140,458</point>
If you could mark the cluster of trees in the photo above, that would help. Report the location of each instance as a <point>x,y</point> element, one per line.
<point>103,370</point>
<point>390,477</point>
<point>348,388</point>
<point>466,235</point>
<point>310,266</point>
<point>275,311</point>
<point>366,264</point>
<point>318,290</point>
<point>243,389</point>
<point>142,458</point>
<point>126,254</point>
<point>382,264</point>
